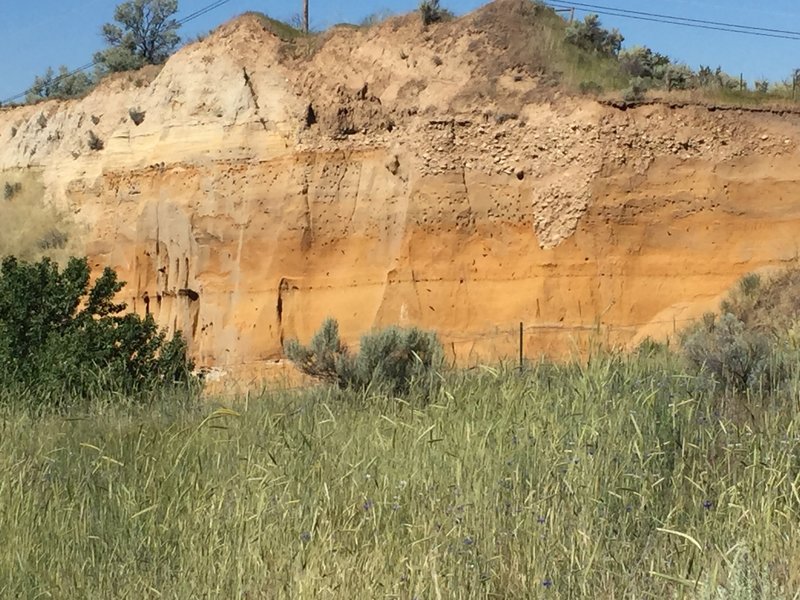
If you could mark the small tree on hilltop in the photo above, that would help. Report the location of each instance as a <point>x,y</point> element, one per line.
<point>145,32</point>
<point>61,85</point>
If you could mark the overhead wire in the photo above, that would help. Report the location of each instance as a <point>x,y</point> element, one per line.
<point>765,32</point>
<point>188,18</point>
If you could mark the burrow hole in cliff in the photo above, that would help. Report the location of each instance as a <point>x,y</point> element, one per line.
<point>311,116</point>
<point>283,287</point>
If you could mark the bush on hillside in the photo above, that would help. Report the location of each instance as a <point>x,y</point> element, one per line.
<point>716,79</point>
<point>393,360</point>
<point>62,85</point>
<point>61,334</point>
<point>431,12</point>
<point>747,345</point>
<point>324,357</point>
<point>590,36</point>
<point>636,92</point>
<point>640,61</point>
<point>736,356</point>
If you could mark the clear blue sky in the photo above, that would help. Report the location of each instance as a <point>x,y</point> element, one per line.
<point>40,33</point>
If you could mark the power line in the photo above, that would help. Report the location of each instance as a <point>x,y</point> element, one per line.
<point>679,21</point>
<point>188,18</point>
<point>690,20</point>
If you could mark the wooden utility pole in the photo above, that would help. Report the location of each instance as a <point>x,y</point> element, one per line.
<point>305,16</point>
<point>521,349</point>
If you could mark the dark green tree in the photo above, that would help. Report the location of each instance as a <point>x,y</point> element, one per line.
<point>60,332</point>
<point>145,32</point>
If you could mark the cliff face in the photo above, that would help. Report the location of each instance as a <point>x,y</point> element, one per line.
<point>398,176</point>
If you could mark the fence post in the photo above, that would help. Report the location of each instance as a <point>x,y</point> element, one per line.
<point>521,349</point>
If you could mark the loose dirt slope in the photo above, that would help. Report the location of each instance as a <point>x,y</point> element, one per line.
<point>401,175</point>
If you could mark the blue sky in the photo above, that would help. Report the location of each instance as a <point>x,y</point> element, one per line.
<point>40,33</point>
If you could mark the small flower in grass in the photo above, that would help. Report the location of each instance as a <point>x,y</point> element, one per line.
<point>541,520</point>
<point>468,541</point>
<point>305,537</point>
<point>708,504</point>
<point>547,583</point>
<point>368,505</point>
<point>395,506</point>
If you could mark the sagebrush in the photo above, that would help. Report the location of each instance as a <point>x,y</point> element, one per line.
<point>392,359</point>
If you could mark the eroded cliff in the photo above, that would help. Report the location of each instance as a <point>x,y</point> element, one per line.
<point>398,175</point>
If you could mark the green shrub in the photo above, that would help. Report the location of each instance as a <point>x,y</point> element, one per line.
<point>392,360</point>
<point>396,359</point>
<point>323,357</point>
<point>640,61</point>
<point>590,36</point>
<point>636,92</point>
<point>58,333</point>
<point>737,356</point>
<point>63,84</point>
<point>678,77</point>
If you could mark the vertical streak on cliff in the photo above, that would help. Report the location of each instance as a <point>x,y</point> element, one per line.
<point>283,286</point>
<point>308,232</point>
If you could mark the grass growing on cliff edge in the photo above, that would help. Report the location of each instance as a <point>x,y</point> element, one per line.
<point>612,478</point>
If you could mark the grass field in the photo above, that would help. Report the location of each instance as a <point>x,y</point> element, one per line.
<point>617,477</point>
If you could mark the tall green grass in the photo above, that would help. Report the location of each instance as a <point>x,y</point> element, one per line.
<point>617,477</point>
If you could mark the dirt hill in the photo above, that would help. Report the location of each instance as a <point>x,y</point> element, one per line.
<point>436,176</point>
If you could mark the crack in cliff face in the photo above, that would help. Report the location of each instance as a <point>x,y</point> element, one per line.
<point>308,231</point>
<point>249,83</point>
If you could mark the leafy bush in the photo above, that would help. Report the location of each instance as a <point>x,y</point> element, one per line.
<point>62,85</point>
<point>589,35</point>
<point>432,12</point>
<point>323,358</point>
<point>678,77</point>
<point>58,333</point>
<point>716,79</point>
<point>738,357</point>
<point>636,92</point>
<point>394,360</point>
<point>640,61</point>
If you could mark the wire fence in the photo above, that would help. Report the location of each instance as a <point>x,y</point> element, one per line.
<point>510,343</point>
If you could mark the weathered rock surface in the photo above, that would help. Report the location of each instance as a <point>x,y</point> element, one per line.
<point>390,176</point>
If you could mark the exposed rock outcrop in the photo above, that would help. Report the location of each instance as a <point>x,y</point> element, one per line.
<point>402,175</point>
